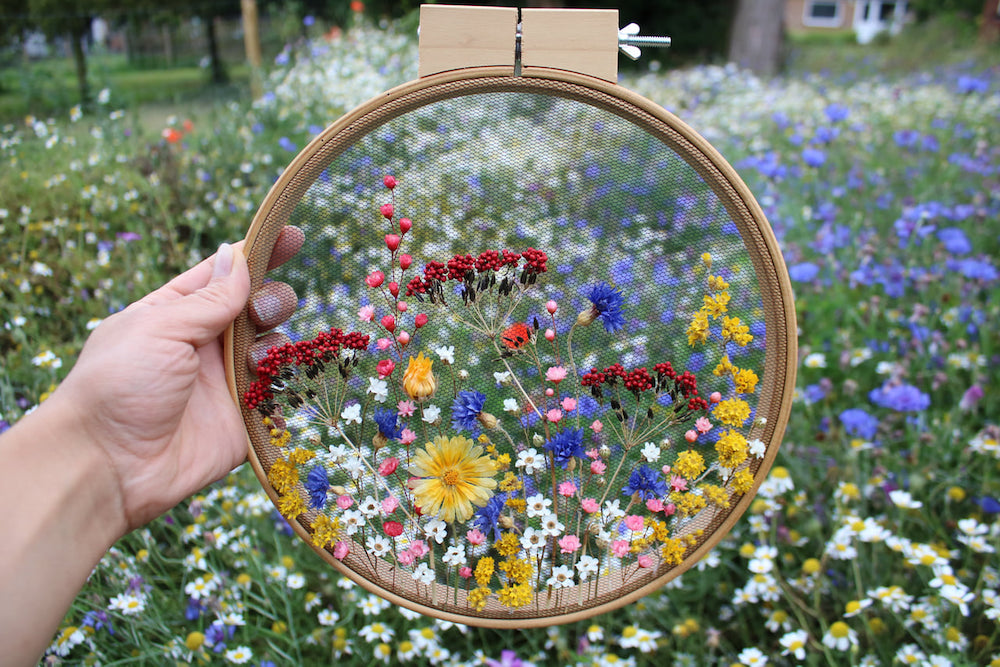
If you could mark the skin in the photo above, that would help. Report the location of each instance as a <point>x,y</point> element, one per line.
<point>144,419</point>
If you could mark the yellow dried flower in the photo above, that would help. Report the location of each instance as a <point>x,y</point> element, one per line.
<point>697,331</point>
<point>508,544</point>
<point>745,379</point>
<point>517,504</point>
<point>689,464</point>
<point>291,505</point>
<point>484,571</point>
<point>477,598</point>
<point>516,596</point>
<point>672,551</point>
<point>517,570</point>
<point>689,504</point>
<point>732,411</point>
<point>734,330</point>
<point>283,476</point>
<point>419,382</point>
<point>325,531</point>
<point>716,304</point>
<point>717,283</point>
<point>732,448</point>
<point>742,481</point>
<point>716,495</point>
<point>725,367</point>
<point>298,456</point>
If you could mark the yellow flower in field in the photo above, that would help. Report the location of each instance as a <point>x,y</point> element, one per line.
<point>419,382</point>
<point>454,475</point>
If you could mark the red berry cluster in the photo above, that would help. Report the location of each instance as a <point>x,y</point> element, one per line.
<point>322,348</point>
<point>638,380</point>
<point>535,260</point>
<point>459,267</point>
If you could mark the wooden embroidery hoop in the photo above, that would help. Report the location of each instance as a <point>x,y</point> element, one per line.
<point>570,54</point>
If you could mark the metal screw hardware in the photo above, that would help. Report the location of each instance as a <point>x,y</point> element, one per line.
<point>629,41</point>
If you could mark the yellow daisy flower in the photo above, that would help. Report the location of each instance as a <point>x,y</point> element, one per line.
<point>453,476</point>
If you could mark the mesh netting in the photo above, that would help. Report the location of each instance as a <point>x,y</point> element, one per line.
<point>538,386</point>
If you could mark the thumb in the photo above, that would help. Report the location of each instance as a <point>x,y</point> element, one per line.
<point>202,315</point>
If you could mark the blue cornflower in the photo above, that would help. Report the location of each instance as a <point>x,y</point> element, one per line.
<point>287,144</point>
<point>646,482</point>
<point>487,517</point>
<point>954,240</point>
<point>813,157</point>
<point>901,398</point>
<point>98,620</point>
<point>607,305</point>
<point>317,484</point>
<point>803,272</point>
<point>565,445</point>
<point>385,418</point>
<point>836,113</point>
<point>465,410</point>
<point>859,423</point>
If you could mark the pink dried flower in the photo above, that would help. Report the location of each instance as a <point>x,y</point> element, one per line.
<point>405,408</point>
<point>678,483</point>
<point>592,453</point>
<point>654,505</point>
<point>465,571</point>
<point>405,260</point>
<point>619,548</point>
<point>691,435</point>
<point>383,344</point>
<point>392,242</point>
<point>596,426</point>
<point>703,425</point>
<point>569,544</point>
<point>366,313</point>
<point>341,549</point>
<point>385,368</point>
<point>635,523</point>
<point>569,404</point>
<point>405,225</point>
<point>555,374</point>
<point>344,502</point>
<point>669,509</point>
<point>419,548</point>
<point>567,489</point>
<point>407,437</point>
<point>386,210</point>
<point>550,335</point>
<point>551,306</point>
<point>389,323</point>
<point>598,467</point>
<point>406,557</point>
<point>645,560</point>
<point>475,537</point>
<point>389,504</point>
<point>389,181</point>
<point>387,467</point>
<point>590,505</point>
<point>554,415</point>
<point>715,397</point>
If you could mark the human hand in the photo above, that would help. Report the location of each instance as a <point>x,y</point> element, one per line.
<point>149,387</point>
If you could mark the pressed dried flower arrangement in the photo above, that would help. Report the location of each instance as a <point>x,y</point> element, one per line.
<point>543,350</point>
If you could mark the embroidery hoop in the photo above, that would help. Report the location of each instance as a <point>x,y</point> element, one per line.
<point>469,78</point>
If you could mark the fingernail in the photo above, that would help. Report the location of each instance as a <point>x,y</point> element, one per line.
<point>223,261</point>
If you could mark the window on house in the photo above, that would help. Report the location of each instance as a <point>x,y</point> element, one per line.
<point>822,13</point>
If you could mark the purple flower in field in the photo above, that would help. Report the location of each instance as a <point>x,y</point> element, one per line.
<point>813,157</point>
<point>901,398</point>
<point>4,425</point>
<point>508,658</point>
<point>989,505</point>
<point>128,236</point>
<point>308,20</point>
<point>859,423</point>
<point>970,84</point>
<point>825,134</point>
<point>906,138</point>
<point>803,272</point>
<point>971,396</point>
<point>287,144</point>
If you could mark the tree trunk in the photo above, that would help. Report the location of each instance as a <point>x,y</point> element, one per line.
<point>757,38</point>
<point>989,25</point>
<point>77,34</point>
<point>218,70</point>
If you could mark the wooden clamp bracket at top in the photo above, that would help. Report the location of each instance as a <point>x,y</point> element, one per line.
<point>579,40</point>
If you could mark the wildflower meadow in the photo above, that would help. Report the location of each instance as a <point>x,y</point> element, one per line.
<point>873,540</point>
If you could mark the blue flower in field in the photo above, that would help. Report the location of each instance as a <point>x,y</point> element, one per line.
<point>465,410</point>
<point>804,272</point>
<point>836,113</point>
<point>859,423</point>
<point>193,610</point>
<point>308,20</point>
<point>901,398</point>
<point>97,620</point>
<point>565,445</point>
<point>487,517</point>
<point>970,84</point>
<point>386,420</point>
<point>825,134</point>
<point>954,240</point>
<point>977,269</point>
<point>813,157</point>
<point>989,505</point>
<point>317,484</point>
<point>287,144</point>
<point>606,302</point>
<point>646,482</point>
